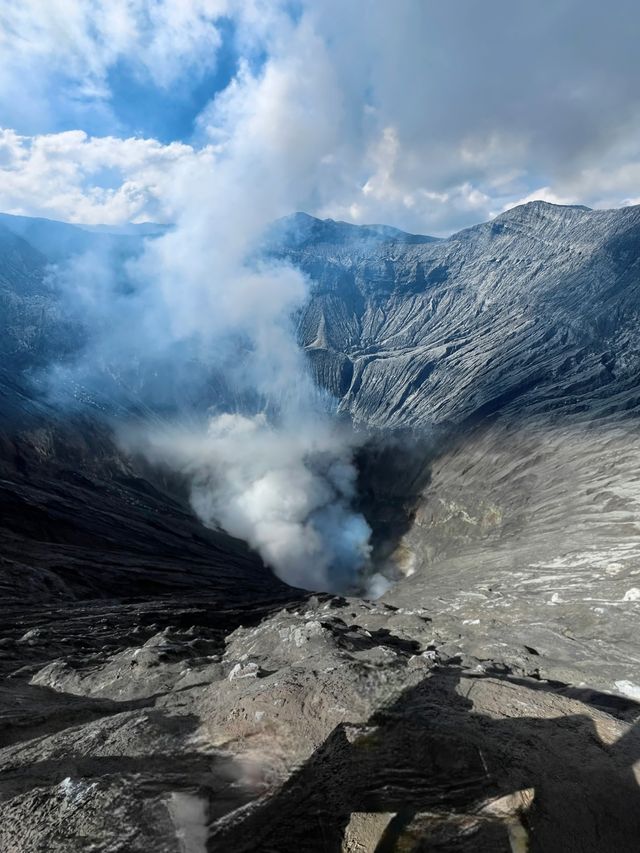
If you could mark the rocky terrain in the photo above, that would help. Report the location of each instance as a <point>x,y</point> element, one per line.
<point>163,691</point>
<point>512,352</point>
<point>331,724</point>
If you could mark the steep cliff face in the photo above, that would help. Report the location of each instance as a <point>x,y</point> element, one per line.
<point>528,312</point>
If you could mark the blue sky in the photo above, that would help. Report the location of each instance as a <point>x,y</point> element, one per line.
<point>140,108</point>
<point>128,98</point>
<point>424,115</point>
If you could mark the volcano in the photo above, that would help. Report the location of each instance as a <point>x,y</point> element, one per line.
<point>164,690</point>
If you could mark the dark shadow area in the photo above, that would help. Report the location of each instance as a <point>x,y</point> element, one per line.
<point>432,766</point>
<point>87,632</point>
<point>77,522</point>
<point>393,471</point>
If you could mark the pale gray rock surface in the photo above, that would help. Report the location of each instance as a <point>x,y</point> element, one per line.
<point>512,350</point>
<point>333,724</point>
<point>528,312</point>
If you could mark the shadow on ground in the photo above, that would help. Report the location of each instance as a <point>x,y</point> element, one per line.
<point>429,772</point>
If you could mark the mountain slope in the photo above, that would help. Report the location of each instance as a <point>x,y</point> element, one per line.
<point>541,297</point>
<point>514,347</point>
<point>77,518</point>
<point>164,692</point>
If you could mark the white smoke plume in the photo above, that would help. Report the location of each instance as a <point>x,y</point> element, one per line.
<point>285,489</point>
<point>274,468</point>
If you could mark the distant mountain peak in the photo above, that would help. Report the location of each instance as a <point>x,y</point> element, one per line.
<point>301,228</point>
<point>540,208</point>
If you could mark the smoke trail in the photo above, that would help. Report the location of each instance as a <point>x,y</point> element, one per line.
<point>281,478</point>
<point>286,489</point>
<point>271,466</point>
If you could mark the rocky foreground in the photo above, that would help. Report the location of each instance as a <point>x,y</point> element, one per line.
<point>328,724</point>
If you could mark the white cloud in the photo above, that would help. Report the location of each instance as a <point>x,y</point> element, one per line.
<point>612,180</point>
<point>83,179</point>
<point>540,194</point>
<point>199,296</point>
<point>59,58</point>
<point>389,195</point>
<point>287,491</point>
<point>83,38</point>
<point>429,117</point>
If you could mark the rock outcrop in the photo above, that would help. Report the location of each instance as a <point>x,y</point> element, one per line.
<point>332,724</point>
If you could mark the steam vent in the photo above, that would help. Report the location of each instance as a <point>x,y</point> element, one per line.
<point>319,536</point>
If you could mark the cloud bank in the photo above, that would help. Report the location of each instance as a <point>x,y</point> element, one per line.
<point>89,180</point>
<point>65,57</point>
<point>440,115</point>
